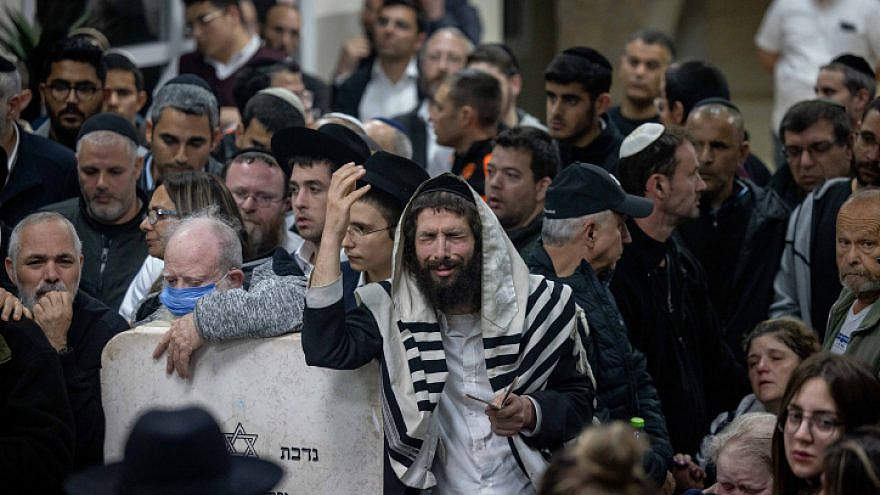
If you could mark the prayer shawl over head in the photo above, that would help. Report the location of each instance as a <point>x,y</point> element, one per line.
<point>525,320</point>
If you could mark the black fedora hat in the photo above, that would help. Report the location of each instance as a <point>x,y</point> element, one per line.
<point>393,175</point>
<point>332,142</point>
<point>178,452</point>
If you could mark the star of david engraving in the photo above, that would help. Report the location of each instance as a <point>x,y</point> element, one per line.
<point>239,434</point>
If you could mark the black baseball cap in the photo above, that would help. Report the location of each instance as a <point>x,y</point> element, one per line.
<point>583,189</point>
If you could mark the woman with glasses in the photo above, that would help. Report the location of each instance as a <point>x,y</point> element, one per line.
<point>827,396</point>
<point>179,195</point>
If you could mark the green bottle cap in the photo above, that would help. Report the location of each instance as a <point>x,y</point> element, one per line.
<point>637,423</point>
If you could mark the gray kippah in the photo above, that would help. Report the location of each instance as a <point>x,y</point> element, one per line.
<point>641,138</point>
<point>287,95</point>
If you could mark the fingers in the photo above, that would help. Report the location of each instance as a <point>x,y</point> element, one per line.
<point>27,313</point>
<point>8,306</point>
<point>163,344</point>
<point>182,363</point>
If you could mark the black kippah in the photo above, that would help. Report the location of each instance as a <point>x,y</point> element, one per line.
<point>108,121</point>
<point>854,62</point>
<point>448,183</point>
<point>588,54</point>
<point>6,65</point>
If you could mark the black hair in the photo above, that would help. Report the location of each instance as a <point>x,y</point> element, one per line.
<point>692,81</point>
<point>421,20</point>
<point>539,144</point>
<point>77,49</point>
<point>497,55</point>
<point>581,65</point>
<point>256,76</point>
<point>390,208</point>
<point>274,113</point>
<point>478,90</point>
<point>118,61</point>
<point>651,36</point>
<point>220,4</point>
<point>873,106</point>
<point>804,114</point>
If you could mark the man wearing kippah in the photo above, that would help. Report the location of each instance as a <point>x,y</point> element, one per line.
<point>582,238</point>
<point>848,80</point>
<point>661,291</point>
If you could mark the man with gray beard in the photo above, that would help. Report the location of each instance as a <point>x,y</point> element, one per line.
<point>854,320</point>
<point>107,213</point>
<point>45,263</point>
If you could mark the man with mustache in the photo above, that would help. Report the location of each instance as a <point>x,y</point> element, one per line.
<point>73,88</point>
<point>45,263</point>
<point>460,315</point>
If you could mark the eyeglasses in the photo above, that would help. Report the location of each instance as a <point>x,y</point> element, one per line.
<point>261,200</point>
<point>60,89</point>
<point>358,232</point>
<point>821,424</point>
<point>203,20</point>
<point>815,149</point>
<point>156,214</point>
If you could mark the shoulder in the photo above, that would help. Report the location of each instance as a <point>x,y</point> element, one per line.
<point>51,152</point>
<point>69,208</point>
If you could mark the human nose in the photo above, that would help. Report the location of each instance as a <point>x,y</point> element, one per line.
<point>102,181</point>
<point>248,203</point>
<point>704,153</point>
<point>145,225</point>
<point>180,155</point>
<point>701,184</point>
<point>347,240</point>
<point>804,430</point>
<point>51,273</point>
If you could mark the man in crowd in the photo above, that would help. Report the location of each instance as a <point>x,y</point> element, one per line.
<point>35,171</point>
<point>446,281</point>
<point>522,166</point>
<point>125,93</point>
<point>72,88</point>
<point>647,54</point>
<point>740,233</point>
<point>390,136</point>
<point>107,214</point>
<point>582,238</point>
<point>266,113</point>
<point>182,129</point>
<point>388,85</point>
<point>854,320</point>
<point>464,115</point>
<point>807,282</point>
<point>445,53</point>
<point>661,291</point>
<point>499,61</point>
<point>577,82</point>
<point>848,80</point>
<point>45,263</point>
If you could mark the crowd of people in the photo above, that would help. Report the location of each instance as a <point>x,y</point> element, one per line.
<point>611,297</point>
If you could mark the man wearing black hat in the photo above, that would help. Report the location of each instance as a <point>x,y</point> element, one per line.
<point>582,238</point>
<point>577,82</point>
<point>35,171</point>
<point>660,288</point>
<point>108,213</point>
<point>476,354</point>
<point>740,233</point>
<point>848,80</point>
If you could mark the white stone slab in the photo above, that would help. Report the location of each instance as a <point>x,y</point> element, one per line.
<point>323,426</point>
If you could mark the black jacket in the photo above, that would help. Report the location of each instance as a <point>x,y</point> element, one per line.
<point>472,165</point>
<point>660,289</point>
<point>525,239</point>
<point>44,173</point>
<point>602,151</point>
<point>36,440</point>
<point>92,326</point>
<point>623,386</point>
<point>417,130</point>
<point>113,253</point>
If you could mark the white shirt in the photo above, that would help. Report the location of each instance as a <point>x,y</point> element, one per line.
<point>237,61</point>
<point>438,158</point>
<point>13,155</point>
<point>850,324</point>
<point>140,286</point>
<point>384,98</point>
<point>807,34</point>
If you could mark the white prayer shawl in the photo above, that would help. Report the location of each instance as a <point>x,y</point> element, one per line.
<point>525,319</point>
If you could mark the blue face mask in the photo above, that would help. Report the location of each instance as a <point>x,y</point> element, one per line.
<point>183,301</point>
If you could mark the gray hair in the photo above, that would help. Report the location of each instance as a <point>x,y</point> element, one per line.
<point>105,138</point>
<point>451,30</point>
<point>560,231</point>
<point>223,231</point>
<point>750,435</point>
<point>36,219</point>
<point>187,98</point>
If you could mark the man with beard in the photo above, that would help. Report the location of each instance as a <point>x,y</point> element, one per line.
<point>740,233</point>
<point>109,210</point>
<point>444,54</point>
<point>461,315</point>
<point>661,291</point>
<point>642,68</point>
<point>854,320</point>
<point>73,88</point>
<point>577,82</point>
<point>45,263</point>
<point>807,283</point>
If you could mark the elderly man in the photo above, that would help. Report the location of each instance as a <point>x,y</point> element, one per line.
<point>203,254</point>
<point>108,213</point>
<point>854,320</point>
<point>182,129</point>
<point>661,291</point>
<point>582,238</point>
<point>459,292</point>
<point>45,263</point>
<point>390,136</point>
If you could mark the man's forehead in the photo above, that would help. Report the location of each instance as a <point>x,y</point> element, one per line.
<point>822,127</point>
<point>647,50</point>
<point>193,124</point>
<point>318,170</point>
<point>504,156</point>
<point>120,77</point>
<point>33,239</point>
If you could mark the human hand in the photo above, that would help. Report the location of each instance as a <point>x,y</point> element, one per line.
<point>53,313</point>
<point>353,50</point>
<point>341,195</point>
<point>181,341</point>
<point>668,487</point>
<point>516,414</point>
<point>687,473</point>
<point>11,306</point>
